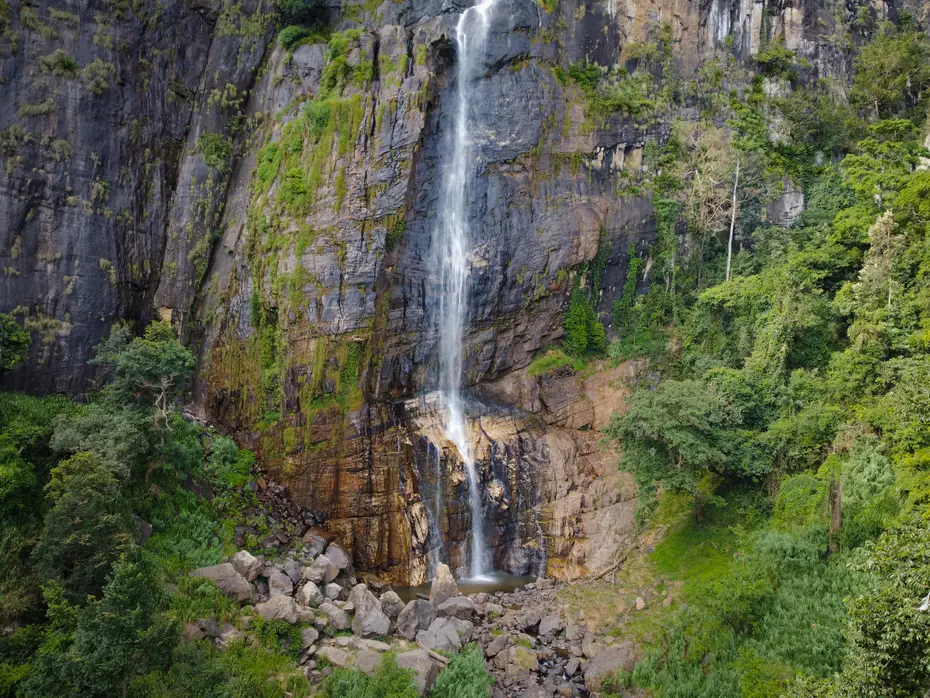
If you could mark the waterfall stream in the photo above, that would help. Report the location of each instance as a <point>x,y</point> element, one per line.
<point>452,237</point>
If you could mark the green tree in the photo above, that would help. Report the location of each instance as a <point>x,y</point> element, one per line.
<point>97,650</point>
<point>150,371</point>
<point>14,343</point>
<point>88,527</point>
<point>675,435</point>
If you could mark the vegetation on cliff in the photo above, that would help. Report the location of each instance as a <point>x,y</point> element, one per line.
<point>798,379</point>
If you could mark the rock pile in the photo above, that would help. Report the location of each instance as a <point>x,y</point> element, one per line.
<point>530,648</point>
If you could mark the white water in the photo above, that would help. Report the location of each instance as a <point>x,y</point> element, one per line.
<point>453,239</point>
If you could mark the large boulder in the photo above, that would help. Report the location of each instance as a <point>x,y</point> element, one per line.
<point>443,586</point>
<point>227,580</point>
<point>424,669</point>
<point>308,636</point>
<point>550,625</point>
<point>278,607</point>
<point>607,663</point>
<point>369,617</point>
<point>336,617</point>
<point>333,591</point>
<point>309,595</point>
<point>391,604</point>
<point>516,659</point>
<point>316,539</point>
<point>416,616</point>
<point>246,564</point>
<point>278,582</point>
<point>293,569</point>
<point>441,636</point>
<point>336,656</point>
<point>458,607</point>
<point>338,556</point>
<point>367,661</point>
<point>320,571</point>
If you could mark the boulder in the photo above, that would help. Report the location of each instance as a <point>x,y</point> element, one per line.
<point>192,632</point>
<point>246,564</point>
<point>497,645</point>
<point>443,587</point>
<point>336,617</point>
<point>464,628</point>
<point>337,555</point>
<point>606,664</point>
<point>416,616</point>
<point>316,539</point>
<point>292,568</point>
<point>278,582</point>
<point>423,668</point>
<point>493,610</point>
<point>308,636</point>
<point>375,645</point>
<point>515,660</point>
<point>320,571</point>
<point>228,635</point>
<point>369,617</point>
<point>337,656</point>
<point>529,620</point>
<point>572,666</point>
<point>640,603</point>
<point>333,591</point>
<point>227,580</point>
<point>309,595</point>
<point>391,604</point>
<point>441,636</point>
<point>278,607</point>
<point>367,661</point>
<point>550,625</point>
<point>458,607</point>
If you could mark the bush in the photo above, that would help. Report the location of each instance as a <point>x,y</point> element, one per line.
<point>215,150</point>
<point>389,681</point>
<point>465,677</point>
<point>293,35</point>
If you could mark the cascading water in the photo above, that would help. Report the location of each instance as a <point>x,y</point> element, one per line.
<point>453,239</point>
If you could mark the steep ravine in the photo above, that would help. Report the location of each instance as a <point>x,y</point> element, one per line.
<point>279,206</point>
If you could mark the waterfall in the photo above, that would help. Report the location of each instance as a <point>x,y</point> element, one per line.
<point>452,239</point>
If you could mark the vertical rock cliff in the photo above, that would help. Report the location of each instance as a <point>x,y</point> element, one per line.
<point>176,161</point>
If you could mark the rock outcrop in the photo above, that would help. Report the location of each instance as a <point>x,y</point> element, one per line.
<point>277,205</point>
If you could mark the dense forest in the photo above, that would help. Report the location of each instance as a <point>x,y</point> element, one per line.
<point>786,412</point>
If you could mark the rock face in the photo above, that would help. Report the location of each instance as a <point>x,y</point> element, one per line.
<point>284,225</point>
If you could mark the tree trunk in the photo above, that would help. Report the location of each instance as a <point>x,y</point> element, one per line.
<point>732,220</point>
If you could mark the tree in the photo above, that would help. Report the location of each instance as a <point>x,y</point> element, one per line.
<point>87,528</point>
<point>14,343</point>
<point>892,73</point>
<point>150,371</point>
<point>583,333</point>
<point>95,651</point>
<point>674,435</point>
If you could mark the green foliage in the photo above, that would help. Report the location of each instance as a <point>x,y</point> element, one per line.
<point>550,360</point>
<point>59,63</point>
<point>892,73</point>
<point>14,343</point>
<point>216,150</point>
<point>303,12</point>
<point>388,681</point>
<point>98,74</point>
<point>583,333</point>
<point>465,677</point>
<point>88,527</point>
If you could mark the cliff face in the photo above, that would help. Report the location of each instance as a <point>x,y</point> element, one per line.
<point>278,206</point>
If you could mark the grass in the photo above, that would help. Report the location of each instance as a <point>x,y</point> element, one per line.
<point>551,360</point>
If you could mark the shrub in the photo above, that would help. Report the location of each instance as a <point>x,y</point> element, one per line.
<point>389,681</point>
<point>465,677</point>
<point>215,150</point>
<point>59,63</point>
<point>291,36</point>
<point>98,75</point>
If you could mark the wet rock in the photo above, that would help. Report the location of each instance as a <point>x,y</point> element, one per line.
<point>369,617</point>
<point>608,663</point>
<point>391,604</point>
<point>227,580</point>
<point>424,669</point>
<point>458,607</point>
<point>417,615</point>
<point>309,595</point>
<point>336,617</point>
<point>443,586</point>
<point>247,565</point>
<point>278,607</point>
